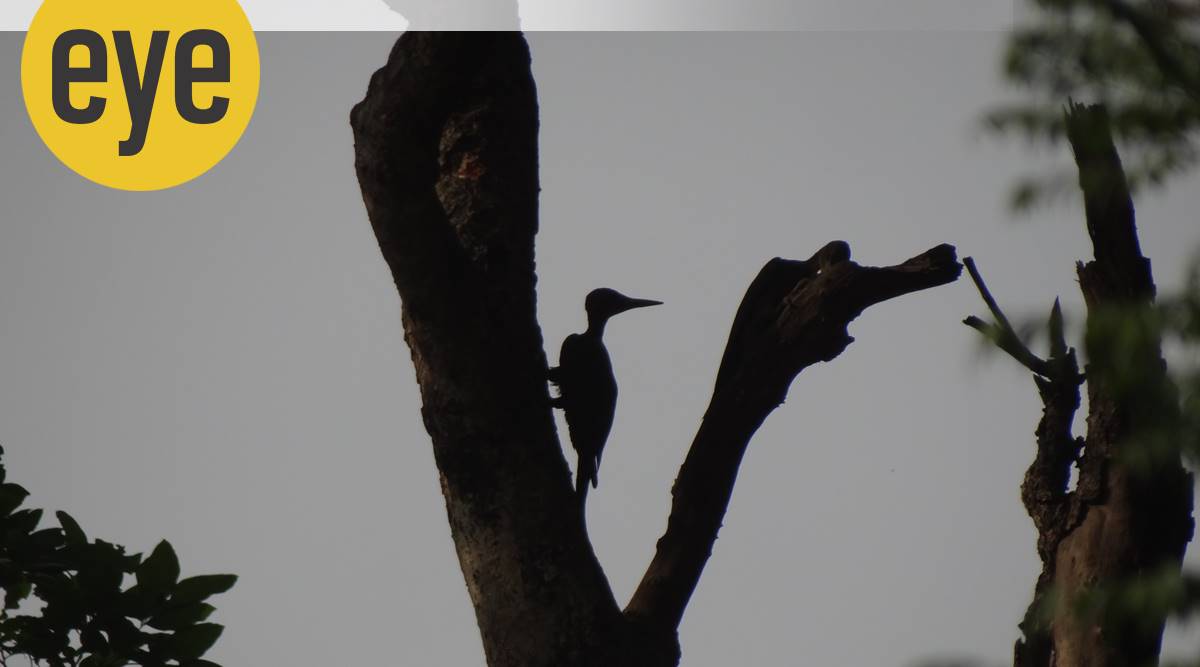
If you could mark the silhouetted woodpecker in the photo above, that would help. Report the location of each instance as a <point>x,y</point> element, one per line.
<point>587,388</point>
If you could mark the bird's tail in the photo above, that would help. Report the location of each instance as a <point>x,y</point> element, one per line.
<point>585,473</point>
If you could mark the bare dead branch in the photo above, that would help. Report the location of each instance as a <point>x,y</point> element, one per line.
<point>794,314</point>
<point>988,299</point>
<point>1002,333</point>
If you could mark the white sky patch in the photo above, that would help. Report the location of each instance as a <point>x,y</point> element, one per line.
<point>266,15</point>
<point>17,14</point>
<point>629,14</point>
<point>322,15</point>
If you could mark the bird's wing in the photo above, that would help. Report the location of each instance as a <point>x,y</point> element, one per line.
<point>588,395</point>
<point>568,357</point>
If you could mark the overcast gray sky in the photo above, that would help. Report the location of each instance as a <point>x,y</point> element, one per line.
<point>222,364</point>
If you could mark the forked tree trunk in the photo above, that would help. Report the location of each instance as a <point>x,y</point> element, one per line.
<point>446,154</point>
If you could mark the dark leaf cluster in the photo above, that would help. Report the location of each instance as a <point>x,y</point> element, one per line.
<point>1122,352</point>
<point>83,612</point>
<point>1139,58</point>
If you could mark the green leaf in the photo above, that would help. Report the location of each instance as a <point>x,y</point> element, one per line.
<point>71,529</point>
<point>194,589</point>
<point>46,539</point>
<point>1023,196</point>
<point>24,521</point>
<point>137,603</point>
<point>14,594</point>
<point>92,641</point>
<point>179,617</point>
<point>123,636</point>
<point>11,497</point>
<point>100,583</point>
<point>160,571</point>
<point>192,642</point>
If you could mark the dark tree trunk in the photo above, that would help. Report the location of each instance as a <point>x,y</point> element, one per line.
<point>1130,513</point>
<point>1134,520</point>
<point>446,154</point>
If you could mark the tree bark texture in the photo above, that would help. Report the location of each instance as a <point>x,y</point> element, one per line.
<point>1125,520</point>
<point>1132,522</point>
<point>446,156</point>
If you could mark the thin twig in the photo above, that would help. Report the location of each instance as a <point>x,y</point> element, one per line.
<point>1002,333</point>
<point>969,262</point>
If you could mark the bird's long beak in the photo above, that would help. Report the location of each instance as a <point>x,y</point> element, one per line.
<point>631,303</point>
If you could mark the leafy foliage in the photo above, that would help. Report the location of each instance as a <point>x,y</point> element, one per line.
<point>88,617</point>
<point>1168,407</point>
<point>1139,58</point>
<point>1178,594</point>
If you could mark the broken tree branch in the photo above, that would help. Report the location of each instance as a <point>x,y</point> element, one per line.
<point>794,314</point>
<point>1002,333</point>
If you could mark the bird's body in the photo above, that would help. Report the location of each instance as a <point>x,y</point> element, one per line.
<point>587,386</point>
<point>588,391</point>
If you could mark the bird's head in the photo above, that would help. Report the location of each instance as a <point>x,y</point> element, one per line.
<point>603,303</point>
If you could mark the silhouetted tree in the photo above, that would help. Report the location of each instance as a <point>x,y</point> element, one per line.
<point>1112,544</point>
<point>1125,523</point>
<point>446,154</point>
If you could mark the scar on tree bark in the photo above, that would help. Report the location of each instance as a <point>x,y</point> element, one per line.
<point>446,156</point>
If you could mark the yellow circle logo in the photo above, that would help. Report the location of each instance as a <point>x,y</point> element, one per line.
<point>140,94</point>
